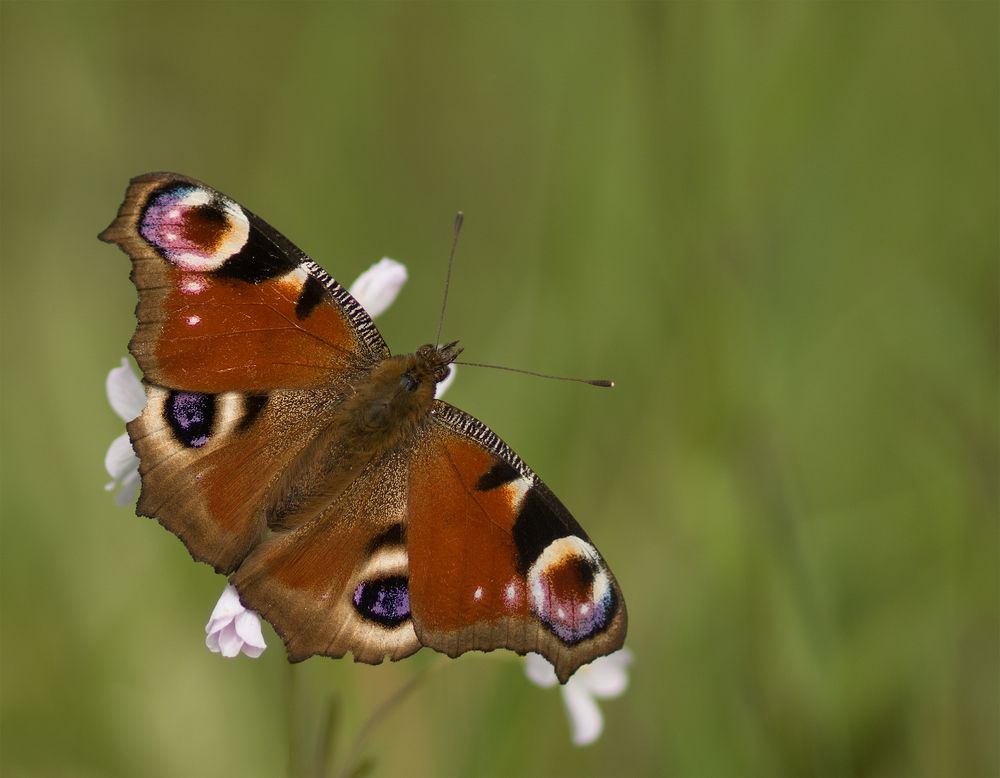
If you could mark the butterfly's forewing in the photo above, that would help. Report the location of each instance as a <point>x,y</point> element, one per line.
<point>246,347</point>
<point>496,561</point>
<point>227,303</point>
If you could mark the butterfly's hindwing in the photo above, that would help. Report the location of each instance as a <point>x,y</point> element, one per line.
<point>496,560</point>
<point>215,467</point>
<point>339,582</point>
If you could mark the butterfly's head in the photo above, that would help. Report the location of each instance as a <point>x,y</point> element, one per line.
<point>399,391</point>
<point>432,361</point>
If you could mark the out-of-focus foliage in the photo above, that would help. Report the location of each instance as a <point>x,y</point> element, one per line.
<point>774,224</point>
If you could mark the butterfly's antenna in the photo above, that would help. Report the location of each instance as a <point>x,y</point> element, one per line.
<point>459,218</point>
<point>592,381</point>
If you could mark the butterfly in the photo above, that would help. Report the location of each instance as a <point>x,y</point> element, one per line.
<point>286,447</point>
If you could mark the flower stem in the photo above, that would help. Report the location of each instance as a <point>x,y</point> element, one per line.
<point>327,736</point>
<point>292,734</point>
<point>352,764</point>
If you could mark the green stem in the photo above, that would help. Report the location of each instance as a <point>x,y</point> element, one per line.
<point>350,763</point>
<point>291,723</point>
<point>327,735</point>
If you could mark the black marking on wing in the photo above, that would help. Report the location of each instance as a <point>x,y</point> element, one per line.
<point>542,518</point>
<point>586,570</point>
<point>355,311</point>
<point>357,315</point>
<point>394,536</point>
<point>469,426</point>
<point>536,527</point>
<point>253,405</point>
<point>259,259</point>
<point>312,294</point>
<point>501,473</point>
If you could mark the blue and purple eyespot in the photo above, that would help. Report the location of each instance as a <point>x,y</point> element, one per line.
<point>193,228</point>
<point>385,601</point>
<point>570,591</point>
<point>190,416</point>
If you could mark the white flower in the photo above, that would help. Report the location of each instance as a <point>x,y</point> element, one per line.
<point>602,679</point>
<point>127,398</point>
<point>232,628</point>
<point>376,289</point>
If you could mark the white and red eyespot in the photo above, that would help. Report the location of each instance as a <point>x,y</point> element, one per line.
<point>193,228</point>
<point>570,590</point>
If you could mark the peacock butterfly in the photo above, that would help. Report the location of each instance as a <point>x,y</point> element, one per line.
<point>286,447</point>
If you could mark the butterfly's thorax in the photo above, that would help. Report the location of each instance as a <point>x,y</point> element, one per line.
<point>389,404</point>
<point>382,413</point>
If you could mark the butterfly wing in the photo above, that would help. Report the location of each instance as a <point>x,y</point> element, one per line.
<point>338,583</point>
<point>243,342</point>
<point>450,542</point>
<point>495,559</point>
<point>227,303</point>
<point>219,469</point>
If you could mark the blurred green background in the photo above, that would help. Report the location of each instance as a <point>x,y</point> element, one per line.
<point>774,224</point>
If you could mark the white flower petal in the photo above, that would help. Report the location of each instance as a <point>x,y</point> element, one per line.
<point>252,651</point>
<point>585,717</point>
<point>442,387</point>
<point>120,458</point>
<point>123,467</point>
<point>232,629</point>
<point>229,642</point>
<point>127,398</point>
<point>540,671</point>
<point>378,286</point>
<point>129,489</point>
<point>248,628</point>
<point>228,607</point>
<point>125,392</point>
<point>606,676</point>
